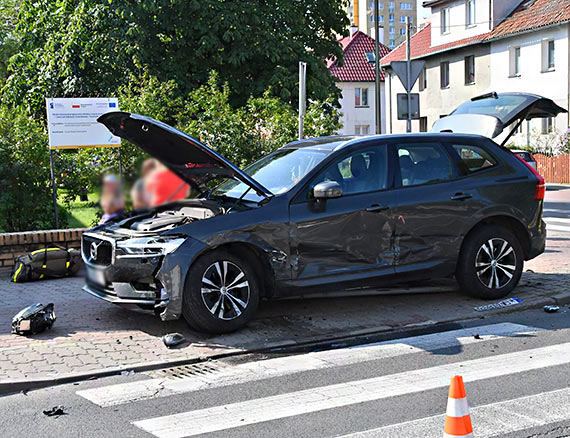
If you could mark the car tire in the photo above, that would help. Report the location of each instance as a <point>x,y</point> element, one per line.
<point>214,304</point>
<point>490,263</point>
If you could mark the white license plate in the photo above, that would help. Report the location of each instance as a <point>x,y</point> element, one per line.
<point>96,276</point>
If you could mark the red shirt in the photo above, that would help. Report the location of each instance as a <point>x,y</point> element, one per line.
<point>164,186</point>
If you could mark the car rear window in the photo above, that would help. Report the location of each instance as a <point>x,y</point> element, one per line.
<point>525,156</point>
<point>473,159</point>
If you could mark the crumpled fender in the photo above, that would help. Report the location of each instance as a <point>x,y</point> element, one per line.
<point>172,275</point>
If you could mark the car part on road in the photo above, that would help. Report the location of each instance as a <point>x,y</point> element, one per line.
<point>551,309</point>
<point>173,339</point>
<point>33,319</point>
<point>56,411</point>
<point>505,303</point>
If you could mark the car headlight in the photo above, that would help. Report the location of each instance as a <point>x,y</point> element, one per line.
<point>150,246</point>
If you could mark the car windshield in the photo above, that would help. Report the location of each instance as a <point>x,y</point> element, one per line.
<point>277,172</point>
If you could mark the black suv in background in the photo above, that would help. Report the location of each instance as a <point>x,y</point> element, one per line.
<point>328,214</point>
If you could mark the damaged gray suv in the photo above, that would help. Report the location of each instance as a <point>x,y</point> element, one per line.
<point>328,214</point>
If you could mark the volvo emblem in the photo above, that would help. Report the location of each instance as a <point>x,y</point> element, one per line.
<point>93,251</point>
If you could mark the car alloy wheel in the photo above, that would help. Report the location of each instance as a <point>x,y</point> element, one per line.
<point>225,290</point>
<point>496,263</point>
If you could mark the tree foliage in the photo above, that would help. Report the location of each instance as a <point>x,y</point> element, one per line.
<point>25,190</point>
<point>92,48</point>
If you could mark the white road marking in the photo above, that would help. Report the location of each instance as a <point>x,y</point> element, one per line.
<point>561,220</point>
<point>334,396</point>
<point>492,420</point>
<point>550,227</point>
<point>258,370</point>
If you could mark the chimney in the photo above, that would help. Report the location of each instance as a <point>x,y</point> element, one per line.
<point>353,30</point>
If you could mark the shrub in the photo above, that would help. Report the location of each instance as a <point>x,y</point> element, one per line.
<point>25,185</point>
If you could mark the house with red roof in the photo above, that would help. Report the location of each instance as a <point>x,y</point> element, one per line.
<point>356,79</point>
<point>472,47</point>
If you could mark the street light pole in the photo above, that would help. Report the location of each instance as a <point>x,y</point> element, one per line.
<point>377,68</point>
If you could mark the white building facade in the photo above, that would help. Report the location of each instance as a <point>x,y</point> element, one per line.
<point>472,47</point>
<point>356,80</point>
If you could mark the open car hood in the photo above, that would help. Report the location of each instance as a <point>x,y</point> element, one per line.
<point>491,113</point>
<point>190,159</point>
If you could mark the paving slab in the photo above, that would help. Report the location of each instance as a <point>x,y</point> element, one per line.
<point>92,337</point>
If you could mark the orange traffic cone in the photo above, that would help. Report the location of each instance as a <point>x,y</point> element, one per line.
<point>457,418</point>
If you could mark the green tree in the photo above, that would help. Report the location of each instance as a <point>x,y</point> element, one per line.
<point>8,36</point>
<point>92,48</point>
<point>25,188</point>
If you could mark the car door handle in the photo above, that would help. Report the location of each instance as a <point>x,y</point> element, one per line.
<point>375,208</point>
<point>461,196</point>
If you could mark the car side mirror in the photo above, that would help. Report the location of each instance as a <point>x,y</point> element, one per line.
<point>327,190</point>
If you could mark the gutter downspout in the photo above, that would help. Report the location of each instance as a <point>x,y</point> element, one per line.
<point>355,12</point>
<point>390,96</point>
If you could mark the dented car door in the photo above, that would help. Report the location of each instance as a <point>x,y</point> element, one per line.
<point>350,237</point>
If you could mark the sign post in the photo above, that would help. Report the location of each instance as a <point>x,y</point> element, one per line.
<point>302,97</point>
<point>72,124</point>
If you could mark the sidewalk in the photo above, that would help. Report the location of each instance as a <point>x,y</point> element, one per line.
<point>91,336</point>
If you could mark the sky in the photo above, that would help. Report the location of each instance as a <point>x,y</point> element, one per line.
<point>422,12</point>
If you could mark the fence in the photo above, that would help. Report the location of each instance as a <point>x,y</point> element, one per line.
<point>554,169</point>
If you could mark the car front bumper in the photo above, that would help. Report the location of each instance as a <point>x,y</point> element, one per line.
<point>149,282</point>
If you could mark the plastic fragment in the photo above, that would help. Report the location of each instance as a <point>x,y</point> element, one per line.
<point>56,411</point>
<point>551,309</point>
<point>173,339</point>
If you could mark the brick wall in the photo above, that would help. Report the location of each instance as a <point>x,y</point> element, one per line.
<point>13,245</point>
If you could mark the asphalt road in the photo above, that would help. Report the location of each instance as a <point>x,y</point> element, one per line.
<point>557,209</point>
<point>517,380</point>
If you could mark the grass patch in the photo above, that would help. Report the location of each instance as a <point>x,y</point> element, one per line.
<point>79,214</point>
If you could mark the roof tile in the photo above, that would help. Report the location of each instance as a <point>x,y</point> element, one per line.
<point>356,67</point>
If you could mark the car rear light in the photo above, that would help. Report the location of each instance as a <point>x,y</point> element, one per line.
<point>541,185</point>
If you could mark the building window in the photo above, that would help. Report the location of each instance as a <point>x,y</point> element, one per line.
<point>445,20</point>
<point>406,6</point>
<point>423,124</point>
<point>391,19</point>
<point>392,31</point>
<point>403,19</point>
<point>391,6</point>
<point>470,12</point>
<point>361,129</point>
<point>547,125</point>
<point>548,61</point>
<point>360,97</point>
<point>403,31</point>
<point>515,61</point>
<point>423,79</point>
<point>469,70</point>
<point>381,19</point>
<point>444,72</point>
<point>392,44</point>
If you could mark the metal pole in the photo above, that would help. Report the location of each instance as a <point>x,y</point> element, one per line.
<point>377,68</point>
<point>54,189</point>
<point>409,74</point>
<point>302,96</point>
<point>120,165</point>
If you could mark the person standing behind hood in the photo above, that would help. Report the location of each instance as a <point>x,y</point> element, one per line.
<point>112,200</point>
<point>164,186</point>
<point>139,194</point>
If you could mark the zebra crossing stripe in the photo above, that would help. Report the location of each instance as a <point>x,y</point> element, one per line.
<point>258,370</point>
<point>339,395</point>
<point>489,421</point>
